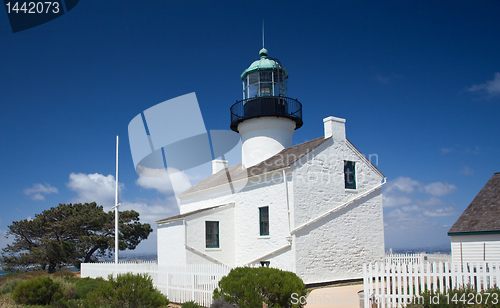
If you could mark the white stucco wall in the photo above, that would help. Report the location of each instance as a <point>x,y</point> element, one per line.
<point>471,248</point>
<point>171,239</point>
<point>262,191</point>
<point>335,247</point>
<point>196,236</point>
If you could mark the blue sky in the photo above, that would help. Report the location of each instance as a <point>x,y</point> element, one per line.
<point>417,81</point>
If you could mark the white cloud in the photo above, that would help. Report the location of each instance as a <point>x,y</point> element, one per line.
<point>411,208</point>
<point>491,87</point>
<point>93,188</point>
<point>176,181</point>
<point>429,202</point>
<point>440,212</point>
<point>152,210</point>
<point>402,184</point>
<point>37,191</point>
<point>161,184</point>
<point>439,189</point>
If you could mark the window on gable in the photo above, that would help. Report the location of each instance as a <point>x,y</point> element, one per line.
<point>350,174</point>
<point>212,234</point>
<point>264,220</point>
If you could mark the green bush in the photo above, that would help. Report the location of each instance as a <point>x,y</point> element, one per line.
<point>36,291</point>
<point>127,291</point>
<point>66,288</point>
<point>63,303</point>
<point>84,286</point>
<point>457,298</point>
<point>191,304</point>
<point>248,287</point>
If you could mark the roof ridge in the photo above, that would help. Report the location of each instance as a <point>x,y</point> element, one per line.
<point>273,163</point>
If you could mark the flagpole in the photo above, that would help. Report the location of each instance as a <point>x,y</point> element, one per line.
<point>116,205</point>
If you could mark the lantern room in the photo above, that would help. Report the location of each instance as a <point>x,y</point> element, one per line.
<point>264,93</point>
<point>265,77</point>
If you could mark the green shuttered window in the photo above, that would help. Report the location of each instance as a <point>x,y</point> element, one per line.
<point>350,174</point>
<point>264,220</point>
<point>212,234</point>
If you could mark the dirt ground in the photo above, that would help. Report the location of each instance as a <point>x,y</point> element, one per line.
<point>336,297</point>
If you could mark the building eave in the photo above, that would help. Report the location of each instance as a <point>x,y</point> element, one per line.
<point>474,233</point>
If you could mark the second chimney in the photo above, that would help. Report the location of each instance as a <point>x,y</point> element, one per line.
<point>218,165</point>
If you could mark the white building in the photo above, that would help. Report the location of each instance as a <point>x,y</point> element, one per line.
<point>475,236</point>
<point>314,208</point>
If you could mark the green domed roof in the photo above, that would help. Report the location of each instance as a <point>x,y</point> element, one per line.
<point>264,64</point>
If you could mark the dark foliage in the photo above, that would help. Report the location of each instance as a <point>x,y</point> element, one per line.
<point>250,287</point>
<point>190,304</point>
<point>221,303</point>
<point>70,234</point>
<point>127,290</point>
<point>36,291</point>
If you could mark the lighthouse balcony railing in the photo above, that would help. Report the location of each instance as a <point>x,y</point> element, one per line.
<point>266,106</point>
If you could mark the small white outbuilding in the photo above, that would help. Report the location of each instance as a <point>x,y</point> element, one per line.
<point>313,208</point>
<point>475,236</point>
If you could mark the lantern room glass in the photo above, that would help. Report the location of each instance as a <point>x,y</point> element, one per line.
<point>264,83</point>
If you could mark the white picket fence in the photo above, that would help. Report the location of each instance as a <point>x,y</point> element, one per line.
<point>417,258</point>
<point>395,285</point>
<point>403,258</point>
<point>181,283</point>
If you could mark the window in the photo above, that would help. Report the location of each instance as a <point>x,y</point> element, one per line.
<point>264,220</point>
<point>265,263</point>
<point>212,234</point>
<point>350,174</point>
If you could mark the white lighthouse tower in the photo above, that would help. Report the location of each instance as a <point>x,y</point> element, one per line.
<point>266,118</point>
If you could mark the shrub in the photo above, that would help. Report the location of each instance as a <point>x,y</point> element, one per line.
<point>84,286</point>
<point>9,285</point>
<point>221,303</point>
<point>66,288</point>
<point>36,291</point>
<point>127,291</point>
<point>191,304</point>
<point>72,303</point>
<point>249,287</point>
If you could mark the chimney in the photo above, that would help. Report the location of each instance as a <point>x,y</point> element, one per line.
<point>335,128</point>
<point>218,165</point>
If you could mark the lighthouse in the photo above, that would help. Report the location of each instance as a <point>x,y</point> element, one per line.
<point>265,118</point>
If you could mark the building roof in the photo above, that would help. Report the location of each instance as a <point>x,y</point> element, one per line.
<point>263,64</point>
<point>482,216</point>
<point>279,161</point>
<point>181,216</point>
